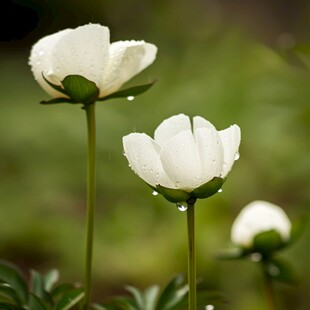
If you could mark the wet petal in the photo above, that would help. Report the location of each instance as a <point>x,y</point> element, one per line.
<point>41,61</point>
<point>200,122</point>
<point>230,138</point>
<point>143,157</point>
<point>83,51</point>
<point>210,151</point>
<point>171,127</point>
<point>181,162</point>
<point>127,58</point>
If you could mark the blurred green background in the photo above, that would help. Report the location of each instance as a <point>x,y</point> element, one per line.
<point>228,61</point>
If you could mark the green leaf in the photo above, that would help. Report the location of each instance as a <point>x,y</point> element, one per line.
<point>35,303</point>
<point>37,285</point>
<point>80,89</point>
<point>11,275</point>
<point>173,294</point>
<point>173,195</point>
<point>267,242</point>
<point>138,296</point>
<point>7,306</point>
<point>151,296</point>
<point>281,271</point>
<point>123,303</point>
<point>70,299</point>
<point>62,289</point>
<point>128,92</point>
<point>208,189</point>
<point>8,294</point>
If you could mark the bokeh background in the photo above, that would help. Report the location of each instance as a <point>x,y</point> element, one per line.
<point>228,61</point>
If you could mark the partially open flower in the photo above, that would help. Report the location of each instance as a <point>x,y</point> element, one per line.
<point>86,52</point>
<point>261,222</point>
<point>183,161</point>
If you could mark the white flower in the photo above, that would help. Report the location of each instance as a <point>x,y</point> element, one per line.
<point>87,51</point>
<point>257,217</point>
<point>181,156</point>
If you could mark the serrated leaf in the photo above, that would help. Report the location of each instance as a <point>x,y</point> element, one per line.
<point>173,293</point>
<point>11,275</point>
<point>281,271</point>
<point>35,303</point>
<point>129,92</point>
<point>80,89</point>
<point>50,279</point>
<point>70,299</point>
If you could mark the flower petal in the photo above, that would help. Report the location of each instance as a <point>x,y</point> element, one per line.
<point>171,127</point>
<point>230,138</point>
<point>40,60</point>
<point>83,51</point>
<point>143,157</point>
<point>181,162</point>
<point>127,59</point>
<point>200,122</point>
<point>210,151</point>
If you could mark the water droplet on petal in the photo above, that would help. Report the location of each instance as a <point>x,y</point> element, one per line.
<point>220,190</point>
<point>237,156</point>
<point>130,98</point>
<point>155,193</point>
<point>41,53</point>
<point>181,207</point>
<point>209,307</point>
<point>256,257</point>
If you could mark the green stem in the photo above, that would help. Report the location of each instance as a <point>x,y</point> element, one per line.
<point>91,198</point>
<point>268,286</point>
<point>191,256</point>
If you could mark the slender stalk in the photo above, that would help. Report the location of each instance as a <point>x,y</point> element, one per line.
<point>191,256</point>
<point>91,198</point>
<point>269,291</point>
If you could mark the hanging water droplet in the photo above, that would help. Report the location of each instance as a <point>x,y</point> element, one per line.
<point>237,156</point>
<point>209,307</point>
<point>130,98</point>
<point>256,257</point>
<point>220,190</point>
<point>154,193</point>
<point>181,207</point>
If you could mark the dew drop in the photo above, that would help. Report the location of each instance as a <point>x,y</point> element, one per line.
<point>237,156</point>
<point>154,193</point>
<point>130,98</point>
<point>41,53</point>
<point>220,190</point>
<point>209,307</point>
<point>181,207</point>
<point>256,257</point>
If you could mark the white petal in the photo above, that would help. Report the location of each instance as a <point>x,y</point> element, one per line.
<point>143,157</point>
<point>211,153</point>
<point>257,217</point>
<point>41,57</point>
<point>171,127</point>
<point>83,51</point>
<point>200,122</point>
<point>230,138</point>
<point>127,59</point>
<point>181,162</point>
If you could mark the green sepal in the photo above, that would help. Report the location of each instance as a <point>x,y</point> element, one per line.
<point>132,91</point>
<point>80,89</point>
<point>172,194</point>
<point>208,189</point>
<point>77,88</point>
<point>267,242</point>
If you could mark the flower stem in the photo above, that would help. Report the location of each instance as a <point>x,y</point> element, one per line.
<point>91,197</point>
<point>191,256</point>
<point>269,291</point>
